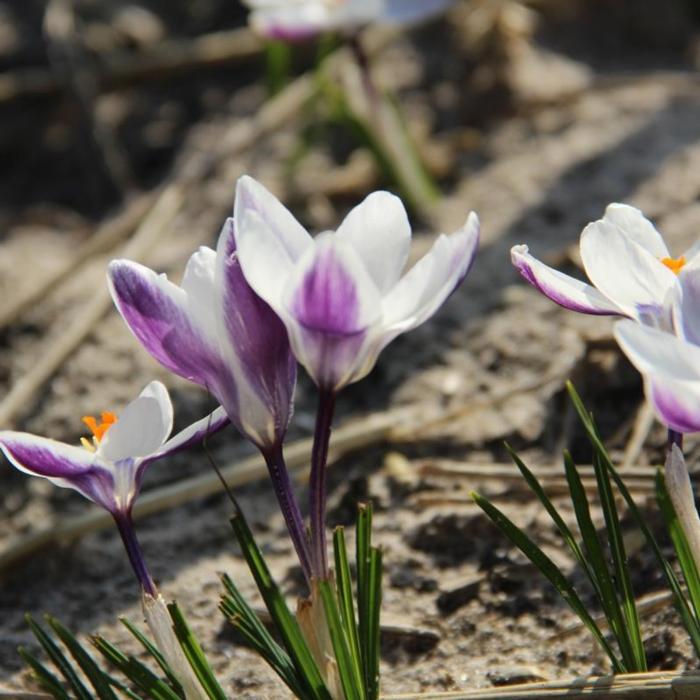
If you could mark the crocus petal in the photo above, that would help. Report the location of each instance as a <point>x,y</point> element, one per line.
<point>637,227</point>
<point>623,271</point>
<point>379,230</point>
<point>426,286</point>
<point>142,427</point>
<point>681,493</point>
<point>560,288</point>
<point>251,196</point>
<point>174,328</point>
<point>256,349</point>
<point>64,465</point>
<point>671,369</point>
<point>413,10</point>
<point>686,310</point>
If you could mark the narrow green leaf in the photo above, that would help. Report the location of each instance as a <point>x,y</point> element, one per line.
<point>350,678</point>
<point>195,655</point>
<point>680,543</point>
<point>363,557</point>
<point>97,677</point>
<point>548,569</point>
<point>47,680</point>
<point>345,596</point>
<point>691,625</point>
<point>286,624</point>
<point>608,600</point>
<point>141,676</point>
<point>374,604</point>
<point>622,575</point>
<point>59,660</point>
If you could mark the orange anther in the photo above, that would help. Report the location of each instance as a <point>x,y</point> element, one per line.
<point>99,429</point>
<point>674,264</point>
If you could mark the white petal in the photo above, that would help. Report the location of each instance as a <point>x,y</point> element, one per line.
<point>198,284</point>
<point>251,196</point>
<point>413,10</point>
<point>379,230</point>
<point>680,491</point>
<point>637,227</point>
<point>623,271</point>
<point>560,288</point>
<point>686,310</point>
<point>142,427</point>
<point>421,291</point>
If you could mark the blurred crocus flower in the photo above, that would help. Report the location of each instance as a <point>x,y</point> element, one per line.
<point>342,295</point>
<point>680,490</point>
<point>109,467</point>
<point>628,263</point>
<point>214,331</point>
<point>295,20</point>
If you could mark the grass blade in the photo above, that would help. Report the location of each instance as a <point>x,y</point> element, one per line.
<point>286,624</point>
<point>374,590</point>
<point>548,569</point>
<point>363,554</point>
<point>47,680</point>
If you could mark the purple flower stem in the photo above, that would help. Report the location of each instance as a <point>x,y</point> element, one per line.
<point>362,61</point>
<point>317,483</point>
<point>675,438</point>
<point>133,549</point>
<point>279,475</point>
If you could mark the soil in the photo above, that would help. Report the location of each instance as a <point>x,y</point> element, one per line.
<point>618,121</point>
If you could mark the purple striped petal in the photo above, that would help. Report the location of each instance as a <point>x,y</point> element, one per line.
<point>687,306</point>
<point>560,288</point>
<point>166,323</point>
<point>255,345</point>
<point>677,403</point>
<point>64,465</point>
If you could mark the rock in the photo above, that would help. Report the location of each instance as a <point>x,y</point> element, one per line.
<point>453,598</point>
<point>512,675</point>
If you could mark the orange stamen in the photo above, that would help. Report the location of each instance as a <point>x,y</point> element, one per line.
<point>674,264</point>
<point>108,419</point>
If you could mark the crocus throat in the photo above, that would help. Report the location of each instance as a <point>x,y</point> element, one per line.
<point>674,264</point>
<point>98,429</point>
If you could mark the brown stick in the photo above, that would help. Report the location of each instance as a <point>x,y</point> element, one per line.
<point>633,686</point>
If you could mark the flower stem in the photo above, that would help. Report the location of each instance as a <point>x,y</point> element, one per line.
<point>362,60</point>
<point>675,438</point>
<point>133,549</point>
<point>317,484</point>
<point>279,475</point>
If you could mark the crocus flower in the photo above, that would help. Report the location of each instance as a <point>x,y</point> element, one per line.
<point>214,331</point>
<point>680,490</point>
<point>294,20</point>
<point>109,467</point>
<point>628,263</point>
<point>342,295</point>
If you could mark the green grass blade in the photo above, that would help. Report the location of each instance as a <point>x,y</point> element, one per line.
<point>608,600</point>
<point>98,678</point>
<point>59,660</point>
<point>47,680</point>
<point>363,558</point>
<point>155,653</point>
<point>680,543</point>
<point>345,596</point>
<point>350,677</point>
<point>622,573</point>
<point>141,676</point>
<point>374,590</point>
<point>691,625</point>
<point>286,624</point>
<point>549,570</point>
<point>563,528</point>
<point>194,654</point>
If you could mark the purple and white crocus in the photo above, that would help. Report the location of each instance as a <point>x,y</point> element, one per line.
<point>214,330</point>
<point>630,268</point>
<point>342,296</point>
<point>296,20</point>
<point>109,469</point>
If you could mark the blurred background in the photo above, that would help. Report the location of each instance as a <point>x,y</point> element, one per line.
<point>123,129</point>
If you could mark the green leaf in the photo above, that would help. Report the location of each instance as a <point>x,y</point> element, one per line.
<point>97,677</point>
<point>363,558</point>
<point>625,591</point>
<point>141,676</point>
<point>680,543</point>
<point>284,621</point>
<point>155,653</point>
<point>47,680</point>
<point>691,625</point>
<point>548,569</point>
<point>59,660</point>
<point>606,586</point>
<point>345,596</point>
<point>350,677</point>
<point>195,655</point>
<point>374,588</point>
